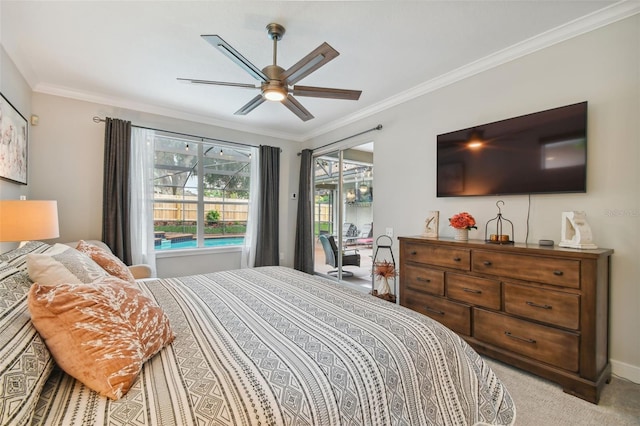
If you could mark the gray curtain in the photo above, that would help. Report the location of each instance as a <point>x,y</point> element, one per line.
<point>303,256</point>
<point>115,196</point>
<point>267,241</point>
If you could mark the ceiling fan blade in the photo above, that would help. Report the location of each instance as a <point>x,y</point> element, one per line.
<point>325,92</point>
<point>218,83</point>
<point>297,108</point>
<point>251,105</point>
<point>314,60</point>
<point>235,56</point>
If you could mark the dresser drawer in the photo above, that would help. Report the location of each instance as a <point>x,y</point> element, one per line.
<point>455,316</point>
<point>446,257</point>
<point>424,279</point>
<point>552,307</point>
<point>561,272</point>
<point>546,344</point>
<point>473,290</point>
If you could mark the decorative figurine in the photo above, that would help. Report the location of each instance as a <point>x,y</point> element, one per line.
<point>431,224</point>
<point>576,232</point>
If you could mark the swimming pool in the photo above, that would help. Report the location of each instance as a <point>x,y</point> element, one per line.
<point>209,242</point>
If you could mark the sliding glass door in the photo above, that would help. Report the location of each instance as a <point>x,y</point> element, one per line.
<point>343,214</point>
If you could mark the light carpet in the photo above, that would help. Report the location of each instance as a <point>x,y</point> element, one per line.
<point>541,402</point>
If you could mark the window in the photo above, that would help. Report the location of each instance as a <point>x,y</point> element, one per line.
<point>201,193</point>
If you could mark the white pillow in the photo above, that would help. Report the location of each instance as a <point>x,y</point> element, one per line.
<point>62,264</point>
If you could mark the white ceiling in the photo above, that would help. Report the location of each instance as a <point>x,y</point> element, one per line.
<point>128,54</point>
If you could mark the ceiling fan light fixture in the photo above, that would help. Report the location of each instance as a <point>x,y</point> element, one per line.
<point>275,94</point>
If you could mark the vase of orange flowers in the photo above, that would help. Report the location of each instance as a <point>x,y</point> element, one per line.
<point>383,271</point>
<point>462,234</point>
<point>462,223</point>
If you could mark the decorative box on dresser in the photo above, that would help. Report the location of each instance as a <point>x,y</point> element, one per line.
<point>541,309</point>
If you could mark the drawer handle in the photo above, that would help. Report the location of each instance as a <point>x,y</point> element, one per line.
<point>558,273</point>
<point>487,263</point>
<point>424,280</point>
<point>413,253</point>
<point>535,305</point>
<point>457,259</point>
<point>472,290</point>
<point>433,311</point>
<point>523,339</point>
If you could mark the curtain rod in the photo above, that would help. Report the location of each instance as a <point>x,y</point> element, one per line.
<point>97,119</point>
<point>378,127</point>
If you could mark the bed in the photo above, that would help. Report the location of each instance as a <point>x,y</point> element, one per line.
<point>268,346</point>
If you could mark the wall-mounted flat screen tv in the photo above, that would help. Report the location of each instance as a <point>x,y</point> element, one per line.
<point>543,152</point>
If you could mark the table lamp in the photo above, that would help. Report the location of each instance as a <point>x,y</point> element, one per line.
<point>27,220</point>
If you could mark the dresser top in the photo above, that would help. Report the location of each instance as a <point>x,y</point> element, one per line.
<point>514,248</point>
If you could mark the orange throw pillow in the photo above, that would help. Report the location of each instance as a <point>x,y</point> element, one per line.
<point>100,333</point>
<point>107,260</point>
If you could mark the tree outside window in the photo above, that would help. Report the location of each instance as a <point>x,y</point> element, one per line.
<point>201,193</point>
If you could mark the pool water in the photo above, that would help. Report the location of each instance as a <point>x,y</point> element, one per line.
<point>209,242</point>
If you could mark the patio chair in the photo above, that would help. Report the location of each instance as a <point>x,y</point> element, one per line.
<point>349,257</point>
<point>366,235</point>
<point>349,233</point>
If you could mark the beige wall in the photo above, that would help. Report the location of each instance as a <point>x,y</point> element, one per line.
<point>14,88</point>
<point>601,67</point>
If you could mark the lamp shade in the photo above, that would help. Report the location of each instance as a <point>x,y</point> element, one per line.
<point>26,220</point>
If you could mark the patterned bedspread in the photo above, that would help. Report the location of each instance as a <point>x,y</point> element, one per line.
<point>272,346</point>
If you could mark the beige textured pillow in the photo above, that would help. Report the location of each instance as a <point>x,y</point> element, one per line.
<point>100,333</point>
<point>107,260</point>
<point>62,264</point>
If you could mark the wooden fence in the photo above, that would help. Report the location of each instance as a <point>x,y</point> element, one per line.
<point>186,209</point>
<point>231,210</point>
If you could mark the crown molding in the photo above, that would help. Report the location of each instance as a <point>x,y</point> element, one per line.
<point>66,92</point>
<point>583,25</point>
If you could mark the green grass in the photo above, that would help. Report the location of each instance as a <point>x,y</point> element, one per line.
<point>322,226</point>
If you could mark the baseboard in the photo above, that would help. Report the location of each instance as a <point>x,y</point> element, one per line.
<point>626,371</point>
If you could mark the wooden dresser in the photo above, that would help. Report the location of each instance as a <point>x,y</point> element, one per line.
<point>542,309</point>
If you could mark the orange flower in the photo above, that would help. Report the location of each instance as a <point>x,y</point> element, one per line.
<point>463,221</point>
<point>385,270</point>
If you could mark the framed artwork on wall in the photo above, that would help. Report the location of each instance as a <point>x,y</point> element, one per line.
<point>14,134</point>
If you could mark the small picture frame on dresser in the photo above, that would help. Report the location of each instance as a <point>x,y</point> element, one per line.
<point>431,224</point>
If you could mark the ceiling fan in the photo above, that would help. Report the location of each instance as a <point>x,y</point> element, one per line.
<point>276,83</point>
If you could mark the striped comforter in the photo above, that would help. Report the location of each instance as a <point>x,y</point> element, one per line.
<point>272,346</point>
